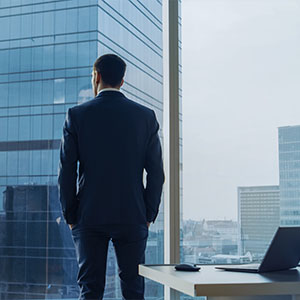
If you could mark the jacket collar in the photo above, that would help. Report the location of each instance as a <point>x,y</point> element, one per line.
<point>108,89</point>
<point>110,94</point>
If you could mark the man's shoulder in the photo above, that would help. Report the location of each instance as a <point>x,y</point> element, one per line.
<point>139,106</point>
<point>83,108</point>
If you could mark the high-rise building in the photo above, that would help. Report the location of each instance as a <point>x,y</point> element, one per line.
<point>47,49</point>
<point>289,174</point>
<point>258,218</point>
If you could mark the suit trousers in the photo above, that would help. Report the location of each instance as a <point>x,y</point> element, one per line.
<point>91,246</point>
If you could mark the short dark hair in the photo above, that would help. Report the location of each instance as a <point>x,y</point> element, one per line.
<point>111,68</point>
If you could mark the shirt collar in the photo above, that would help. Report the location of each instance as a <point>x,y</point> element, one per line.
<point>108,89</point>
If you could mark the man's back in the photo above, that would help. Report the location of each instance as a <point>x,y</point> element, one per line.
<point>114,139</point>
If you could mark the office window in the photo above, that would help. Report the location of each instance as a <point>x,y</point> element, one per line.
<point>46,56</point>
<point>241,127</point>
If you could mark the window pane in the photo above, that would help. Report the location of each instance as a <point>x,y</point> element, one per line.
<point>239,186</point>
<point>46,60</point>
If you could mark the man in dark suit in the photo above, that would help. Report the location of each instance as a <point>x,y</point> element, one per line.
<point>114,139</point>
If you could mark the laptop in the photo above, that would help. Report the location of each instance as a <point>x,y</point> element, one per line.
<point>282,254</point>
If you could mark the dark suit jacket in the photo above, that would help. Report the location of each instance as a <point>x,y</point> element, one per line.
<point>114,139</point>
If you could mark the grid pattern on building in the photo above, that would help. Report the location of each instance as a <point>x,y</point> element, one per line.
<point>258,217</point>
<point>289,174</point>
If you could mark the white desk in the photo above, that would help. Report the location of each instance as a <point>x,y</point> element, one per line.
<point>219,284</point>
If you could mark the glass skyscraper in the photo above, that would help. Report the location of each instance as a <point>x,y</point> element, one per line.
<point>289,175</point>
<point>47,49</point>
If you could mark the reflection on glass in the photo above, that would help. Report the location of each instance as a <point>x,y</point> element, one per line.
<point>85,95</point>
<point>59,91</point>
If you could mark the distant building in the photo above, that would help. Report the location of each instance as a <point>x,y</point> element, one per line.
<point>204,239</point>
<point>224,235</point>
<point>289,174</point>
<point>231,259</point>
<point>258,217</point>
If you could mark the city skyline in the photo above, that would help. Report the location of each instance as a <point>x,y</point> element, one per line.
<point>248,186</point>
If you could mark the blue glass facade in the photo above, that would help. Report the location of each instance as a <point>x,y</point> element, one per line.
<point>47,49</point>
<point>289,176</point>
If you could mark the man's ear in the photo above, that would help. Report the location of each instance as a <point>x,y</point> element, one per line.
<point>122,82</point>
<point>98,77</point>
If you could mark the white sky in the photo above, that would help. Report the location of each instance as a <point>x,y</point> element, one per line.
<point>241,81</point>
